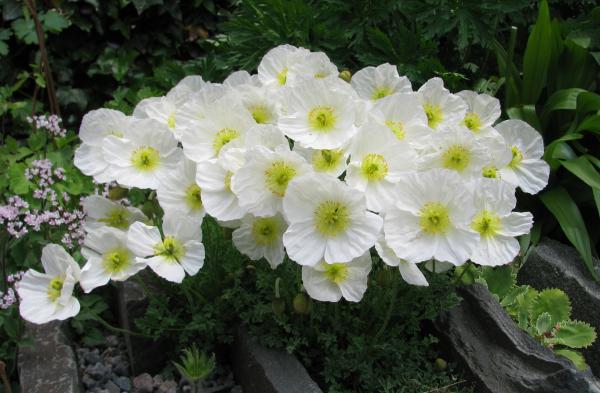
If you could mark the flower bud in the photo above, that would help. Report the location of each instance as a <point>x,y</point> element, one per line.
<point>346,75</point>
<point>301,304</point>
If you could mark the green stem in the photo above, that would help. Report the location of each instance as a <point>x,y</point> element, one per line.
<point>3,248</point>
<point>388,314</point>
<point>116,329</point>
<point>458,280</point>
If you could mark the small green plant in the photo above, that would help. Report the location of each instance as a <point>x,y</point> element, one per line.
<point>195,366</point>
<point>545,315</point>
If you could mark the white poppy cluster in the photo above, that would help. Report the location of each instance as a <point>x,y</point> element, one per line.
<point>299,161</point>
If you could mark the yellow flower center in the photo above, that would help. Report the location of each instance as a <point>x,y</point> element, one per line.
<point>517,157</point>
<point>396,127</point>
<point>434,218</point>
<point>55,288</point>
<point>337,273</point>
<point>278,175</point>
<point>171,120</point>
<point>227,181</point>
<point>193,197</point>
<point>320,75</point>
<point>223,137</point>
<point>117,218</point>
<point>170,248</point>
<point>434,114</point>
<point>472,121</point>
<point>116,260</point>
<point>322,118</point>
<point>374,167</point>
<point>260,114</point>
<point>326,160</point>
<point>282,76</point>
<point>380,92</point>
<point>486,223</point>
<point>331,218</point>
<point>145,159</point>
<point>490,171</point>
<point>265,230</point>
<point>456,157</point>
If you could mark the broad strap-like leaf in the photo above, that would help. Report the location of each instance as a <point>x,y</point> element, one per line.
<point>537,56</point>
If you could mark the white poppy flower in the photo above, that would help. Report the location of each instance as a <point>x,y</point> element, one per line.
<point>456,149</point>
<point>275,66</point>
<point>259,102</point>
<point>261,183</point>
<point>95,126</point>
<point>49,296</point>
<point>142,159</point>
<point>410,272</point>
<point>431,218</point>
<point>327,220</point>
<point>195,108</point>
<point>225,125</point>
<point>108,258</point>
<point>266,135</point>
<point>239,78</point>
<point>497,224</point>
<point>329,161</point>
<point>498,154</point>
<point>187,87</point>
<point>180,251</point>
<point>374,83</point>
<point>377,160</point>
<point>101,212</point>
<point>261,237</point>
<point>314,65</point>
<point>329,282</point>
<point>319,115</point>
<point>441,107</point>
<point>482,112</point>
<point>217,197</point>
<point>526,170</point>
<point>179,191</point>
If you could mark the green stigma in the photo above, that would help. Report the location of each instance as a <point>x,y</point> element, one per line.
<point>117,217</point>
<point>380,92</point>
<point>320,75</point>
<point>145,159</point>
<point>55,288</point>
<point>265,230</point>
<point>170,248</point>
<point>434,114</point>
<point>517,157</point>
<point>396,127</point>
<point>171,120</point>
<point>116,133</point>
<point>331,218</point>
<point>282,76</point>
<point>260,114</point>
<point>374,167</point>
<point>223,137</point>
<point>490,171</point>
<point>193,197</point>
<point>278,175</point>
<point>472,121</point>
<point>486,223</point>
<point>326,160</point>
<point>434,218</point>
<point>227,181</point>
<point>456,157</point>
<point>116,260</point>
<point>336,273</point>
<point>322,118</point>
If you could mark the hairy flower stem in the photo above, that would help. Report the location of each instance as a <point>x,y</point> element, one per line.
<point>4,378</point>
<point>3,248</point>
<point>388,314</point>
<point>124,319</point>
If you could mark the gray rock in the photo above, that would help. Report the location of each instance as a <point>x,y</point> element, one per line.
<point>92,357</point>
<point>49,365</point>
<point>554,265</point>
<point>112,387</point>
<point>121,369</point>
<point>99,372</point>
<point>88,382</point>
<point>123,383</point>
<point>501,357</point>
<point>237,389</point>
<point>264,370</point>
<point>144,383</point>
<point>168,387</point>
<point>112,341</point>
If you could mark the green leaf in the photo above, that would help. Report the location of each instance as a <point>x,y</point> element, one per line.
<point>587,102</point>
<point>566,212</point>
<point>37,140</point>
<point>575,334</point>
<point>499,280</point>
<point>526,113</point>
<point>17,181</point>
<point>25,30</point>
<point>590,123</point>
<point>583,169</point>
<point>143,5</point>
<point>573,356</point>
<point>543,323</point>
<point>597,199</point>
<point>554,302</point>
<point>4,36</point>
<point>53,22</point>
<point>537,56</point>
<point>565,99</point>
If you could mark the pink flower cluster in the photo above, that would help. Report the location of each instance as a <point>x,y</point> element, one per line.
<point>50,123</point>
<point>42,174</point>
<point>10,297</point>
